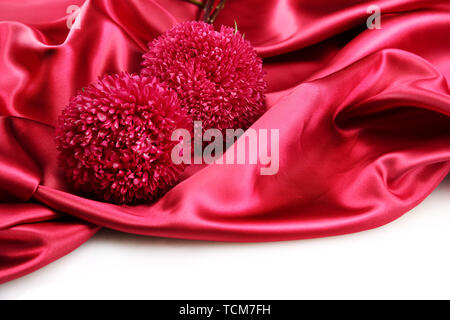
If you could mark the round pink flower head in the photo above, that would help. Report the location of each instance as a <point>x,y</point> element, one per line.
<point>217,75</point>
<point>114,138</point>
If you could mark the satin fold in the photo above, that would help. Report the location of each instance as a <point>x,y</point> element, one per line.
<point>364,120</point>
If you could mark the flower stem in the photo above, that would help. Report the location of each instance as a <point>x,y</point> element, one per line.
<point>216,12</point>
<point>208,9</point>
<point>210,12</point>
<point>197,3</point>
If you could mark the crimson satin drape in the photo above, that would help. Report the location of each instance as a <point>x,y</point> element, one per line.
<point>364,120</point>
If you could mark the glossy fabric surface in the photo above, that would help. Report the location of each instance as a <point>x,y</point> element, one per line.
<point>364,120</point>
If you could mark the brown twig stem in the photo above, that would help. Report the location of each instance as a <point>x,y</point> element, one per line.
<point>216,12</point>
<point>207,10</point>
<point>197,3</point>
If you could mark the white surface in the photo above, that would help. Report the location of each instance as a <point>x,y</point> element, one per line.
<point>408,258</point>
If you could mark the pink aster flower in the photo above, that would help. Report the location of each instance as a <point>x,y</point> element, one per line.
<point>216,74</point>
<point>114,138</point>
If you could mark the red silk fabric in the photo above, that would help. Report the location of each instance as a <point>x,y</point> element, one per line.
<point>364,120</point>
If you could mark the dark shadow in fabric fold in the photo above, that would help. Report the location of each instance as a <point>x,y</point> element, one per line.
<point>26,247</point>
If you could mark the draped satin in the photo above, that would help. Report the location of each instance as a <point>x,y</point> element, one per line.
<point>364,120</point>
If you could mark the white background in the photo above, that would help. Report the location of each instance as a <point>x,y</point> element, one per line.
<point>409,258</point>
